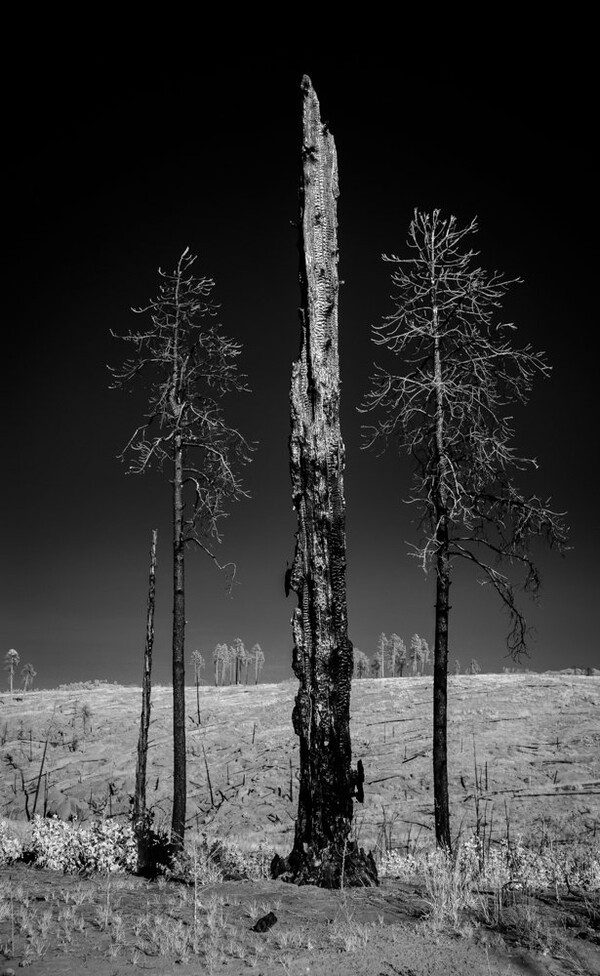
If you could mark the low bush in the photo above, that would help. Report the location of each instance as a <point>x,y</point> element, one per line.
<point>106,846</point>
<point>507,865</point>
<point>11,848</point>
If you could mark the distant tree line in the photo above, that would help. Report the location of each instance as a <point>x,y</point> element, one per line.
<point>393,659</point>
<point>234,665</point>
<point>473,668</point>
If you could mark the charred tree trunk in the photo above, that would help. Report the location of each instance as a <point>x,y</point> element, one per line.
<point>139,806</point>
<point>322,854</point>
<point>179,773</point>
<point>440,693</point>
<point>198,696</point>
<point>442,602</point>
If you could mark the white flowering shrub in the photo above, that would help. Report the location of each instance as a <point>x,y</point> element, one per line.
<point>105,846</point>
<point>508,865</point>
<point>11,848</point>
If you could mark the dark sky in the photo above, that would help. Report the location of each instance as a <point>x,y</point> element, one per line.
<point>120,158</point>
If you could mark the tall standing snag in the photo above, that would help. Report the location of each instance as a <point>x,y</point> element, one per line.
<point>323,660</point>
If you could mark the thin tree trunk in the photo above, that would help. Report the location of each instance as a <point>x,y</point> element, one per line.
<point>322,853</point>
<point>198,697</point>
<point>440,695</point>
<point>179,772</point>
<point>145,863</point>
<point>442,603</point>
<point>139,807</point>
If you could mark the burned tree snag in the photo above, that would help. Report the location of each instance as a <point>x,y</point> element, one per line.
<point>323,853</point>
<point>139,804</point>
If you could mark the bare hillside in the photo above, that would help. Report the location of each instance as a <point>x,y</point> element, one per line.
<point>524,755</point>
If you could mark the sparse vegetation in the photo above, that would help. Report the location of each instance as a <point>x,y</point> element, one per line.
<point>542,899</point>
<point>536,888</point>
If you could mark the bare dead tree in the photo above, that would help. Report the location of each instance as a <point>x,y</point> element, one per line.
<point>448,410</point>
<point>199,664</point>
<point>28,673</point>
<point>139,804</point>
<point>259,659</point>
<point>322,853</point>
<point>191,366</point>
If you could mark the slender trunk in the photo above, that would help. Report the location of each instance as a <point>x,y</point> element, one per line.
<point>322,853</point>
<point>198,697</point>
<point>179,772</point>
<point>139,807</point>
<point>440,694</point>
<point>442,604</point>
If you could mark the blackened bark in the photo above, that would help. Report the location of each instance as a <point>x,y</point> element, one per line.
<point>323,853</point>
<point>139,805</point>
<point>440,691</point>
<point>179,772</point>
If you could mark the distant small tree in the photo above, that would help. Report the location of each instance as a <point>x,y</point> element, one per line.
<point>397,655</point>
<point>198,663</point>
<point>12,659</point>
<point>416,654</point>
<point>382,646</point>
<point>86,715</point>
<point>361,663</point>
<point>425,655</point>
<point>456,666</point>
<point>259,660</point>
<point>238,656</point>
<point>376,665</point>
<point>28,673</point>
<point>475,667</point>
<point>221,661</point>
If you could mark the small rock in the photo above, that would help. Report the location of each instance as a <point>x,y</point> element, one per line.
<point>265,923</point>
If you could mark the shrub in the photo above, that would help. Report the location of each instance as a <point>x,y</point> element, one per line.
<point>106,845</point>
<point>507,865</point>
<point>11,848</point>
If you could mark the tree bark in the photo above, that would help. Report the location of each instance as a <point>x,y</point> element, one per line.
<point>440,694</point>
<point>139,807</point>
<point>179,771</point>
<point>322,853</point>
<point>442,603</point>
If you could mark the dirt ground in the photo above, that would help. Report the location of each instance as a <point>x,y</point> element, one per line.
<point>124,925</point>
